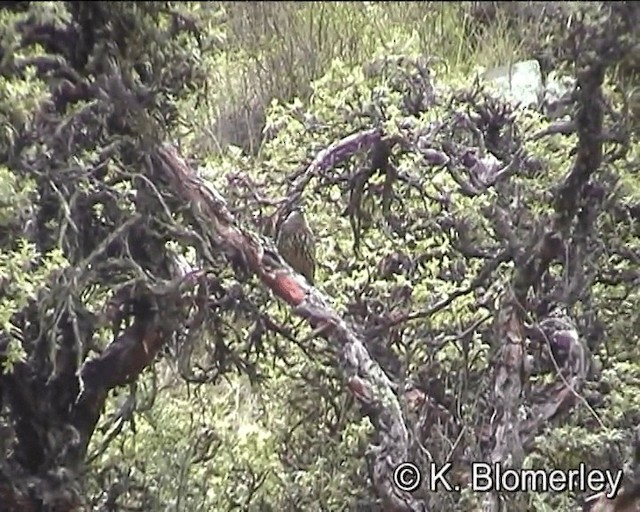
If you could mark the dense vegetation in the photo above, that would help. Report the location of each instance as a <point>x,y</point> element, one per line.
<point>477,285</point>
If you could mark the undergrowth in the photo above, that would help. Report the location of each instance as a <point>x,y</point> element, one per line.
<point>275,50</point>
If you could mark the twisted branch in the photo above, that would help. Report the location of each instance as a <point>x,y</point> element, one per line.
<point>364,377</point>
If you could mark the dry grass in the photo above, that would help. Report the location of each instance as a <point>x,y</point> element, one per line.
<point>275,50</point>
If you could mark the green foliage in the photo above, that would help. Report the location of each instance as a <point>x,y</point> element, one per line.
<point>308,74</point>
<point>205,449</point>
<point>323,99</point>
<point>23,274</point>
<point>277,50</point>
<point>16,196</point>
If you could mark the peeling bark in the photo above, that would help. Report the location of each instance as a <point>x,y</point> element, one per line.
<point>363,376</point>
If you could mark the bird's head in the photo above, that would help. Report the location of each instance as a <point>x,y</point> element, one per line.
<point>295,219</point>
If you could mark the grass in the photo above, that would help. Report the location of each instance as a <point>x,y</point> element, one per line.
<point>276,49</point>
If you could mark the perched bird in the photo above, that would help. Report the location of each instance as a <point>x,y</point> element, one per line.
<point>297,245</point>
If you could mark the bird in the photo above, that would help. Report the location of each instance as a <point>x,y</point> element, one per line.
<point>297,245</point>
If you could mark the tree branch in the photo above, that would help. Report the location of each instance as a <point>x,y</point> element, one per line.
<point>364,377</point>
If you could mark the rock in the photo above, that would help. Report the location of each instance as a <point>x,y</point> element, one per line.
<point>520,82</point>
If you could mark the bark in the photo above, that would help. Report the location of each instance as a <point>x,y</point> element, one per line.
<point>363,377</point>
